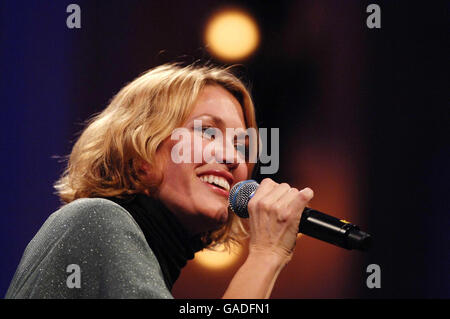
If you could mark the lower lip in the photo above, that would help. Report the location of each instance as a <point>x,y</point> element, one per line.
<point>216,189</point>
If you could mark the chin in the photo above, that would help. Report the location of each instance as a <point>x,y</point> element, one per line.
<point>216,216</point>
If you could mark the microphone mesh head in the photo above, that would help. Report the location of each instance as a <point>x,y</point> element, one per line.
<point>240,195</point>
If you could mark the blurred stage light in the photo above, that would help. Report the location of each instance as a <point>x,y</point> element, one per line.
<point>231,35</point>
<point>216,259</point>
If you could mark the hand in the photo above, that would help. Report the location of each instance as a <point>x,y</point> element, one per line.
<point>275,211</point>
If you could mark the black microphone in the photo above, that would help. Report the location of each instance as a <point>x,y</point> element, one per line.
<point>312,223</point>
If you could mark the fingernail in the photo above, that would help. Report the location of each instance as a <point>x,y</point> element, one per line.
<point>307,192</point>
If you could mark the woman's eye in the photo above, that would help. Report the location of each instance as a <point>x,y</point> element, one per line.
<point>207,132</point>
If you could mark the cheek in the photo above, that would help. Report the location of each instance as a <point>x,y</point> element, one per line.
<point>175,171</point>
<point>241,173</point>
<point>188,149</point>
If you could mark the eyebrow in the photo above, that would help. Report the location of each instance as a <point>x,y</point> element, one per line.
<point>213,117</point>
<point>217,120</point>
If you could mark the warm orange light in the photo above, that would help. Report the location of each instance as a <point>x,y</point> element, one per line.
<point>219,258</point>
<point>231,35</point>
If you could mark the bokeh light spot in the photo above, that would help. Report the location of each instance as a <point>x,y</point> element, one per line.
<point>218,258</point>
<point>232,35</point>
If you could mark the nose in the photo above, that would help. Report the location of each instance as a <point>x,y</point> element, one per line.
<point>227,154</point>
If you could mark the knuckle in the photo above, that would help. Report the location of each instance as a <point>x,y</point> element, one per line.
<point>264,205</point>
<point>267,181</point>
<point>277,207</point>
<point>290,216</point>
<point>251,204</point>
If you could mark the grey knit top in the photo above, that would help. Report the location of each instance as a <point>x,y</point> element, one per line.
<point>89,248</point>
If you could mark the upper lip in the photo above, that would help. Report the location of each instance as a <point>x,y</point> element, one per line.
<point>221,173</point>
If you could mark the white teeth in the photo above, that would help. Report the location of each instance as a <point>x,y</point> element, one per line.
<point>217,180</point>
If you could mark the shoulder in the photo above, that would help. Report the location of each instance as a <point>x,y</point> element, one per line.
<point>90,210</point>
<point>96,216</point>
<point>106,243</point>
<point>83,225</point>
<point>94,223</point>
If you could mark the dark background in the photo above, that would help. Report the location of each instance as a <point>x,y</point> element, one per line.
<point>363,117</point>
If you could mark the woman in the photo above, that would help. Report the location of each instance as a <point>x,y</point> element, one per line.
<point>134,215</point>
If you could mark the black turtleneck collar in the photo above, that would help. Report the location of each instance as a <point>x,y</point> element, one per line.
<point>165,235</point>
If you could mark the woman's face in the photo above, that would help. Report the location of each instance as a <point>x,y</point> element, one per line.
<point>197,192</point>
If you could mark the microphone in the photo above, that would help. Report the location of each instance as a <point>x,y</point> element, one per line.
<point>312,223</point>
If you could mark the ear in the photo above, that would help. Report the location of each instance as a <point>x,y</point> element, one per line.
<point>143,168</point>
<point>150,174</point>
<point>144,171</point>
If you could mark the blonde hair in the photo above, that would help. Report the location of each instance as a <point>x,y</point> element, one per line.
<point>104,161</point>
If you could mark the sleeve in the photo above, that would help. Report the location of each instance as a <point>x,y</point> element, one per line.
<point>89,249</point>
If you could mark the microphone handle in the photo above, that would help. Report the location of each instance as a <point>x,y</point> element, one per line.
<point>333,230</point>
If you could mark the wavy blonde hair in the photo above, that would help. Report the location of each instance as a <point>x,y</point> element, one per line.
<point>105,160</point>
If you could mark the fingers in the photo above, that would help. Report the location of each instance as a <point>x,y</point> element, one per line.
<point>264,189</point>
<point>275,211</point>
<point>306,194</point>
<point>297,201</point>
<point>280,199</point>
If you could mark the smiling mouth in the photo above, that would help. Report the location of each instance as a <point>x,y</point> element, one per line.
<point>217,181</point>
